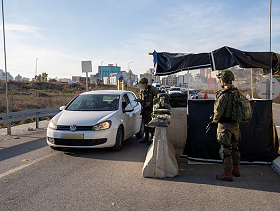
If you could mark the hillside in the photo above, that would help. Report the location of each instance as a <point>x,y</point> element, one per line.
<point>35,95</point>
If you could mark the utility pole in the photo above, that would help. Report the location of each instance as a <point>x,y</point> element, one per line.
<point>5,59</point>
<point>270,51</point>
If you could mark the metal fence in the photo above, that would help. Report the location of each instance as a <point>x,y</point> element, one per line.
<point>28,114</point>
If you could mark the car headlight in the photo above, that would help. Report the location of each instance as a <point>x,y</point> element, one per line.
<point>102,126</point>
<point>52,125</point>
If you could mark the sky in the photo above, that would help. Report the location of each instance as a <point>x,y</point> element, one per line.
<point>62,33</point>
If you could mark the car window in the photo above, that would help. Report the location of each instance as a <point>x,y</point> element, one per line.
<point>91,102</point>
<point>132,99</point>
<point>125,101</point>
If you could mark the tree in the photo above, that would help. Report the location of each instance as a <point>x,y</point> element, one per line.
<point>42,78</point>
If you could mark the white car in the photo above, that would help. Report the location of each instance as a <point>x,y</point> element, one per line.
<point>174,90</point>
<point>74,82</point>
<point>96,119</point>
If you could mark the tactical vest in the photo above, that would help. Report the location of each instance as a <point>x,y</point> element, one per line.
<point>146,94</point>
<point>227,116</point>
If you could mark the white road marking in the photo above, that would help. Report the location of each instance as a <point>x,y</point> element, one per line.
<point>24,166</point>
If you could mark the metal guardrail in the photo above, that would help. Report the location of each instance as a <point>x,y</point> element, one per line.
<point>28,114</point>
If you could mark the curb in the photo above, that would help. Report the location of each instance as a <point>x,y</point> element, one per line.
<point>276,165</point>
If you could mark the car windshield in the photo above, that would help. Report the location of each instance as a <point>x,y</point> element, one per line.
<point>175,89</point>
<point>91,102</point>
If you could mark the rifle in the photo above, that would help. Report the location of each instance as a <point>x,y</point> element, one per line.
<point>143,106</point>
<point>208,127</point>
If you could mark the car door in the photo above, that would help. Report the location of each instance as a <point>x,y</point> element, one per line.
<point>127,117</point>
<point>136,117</point>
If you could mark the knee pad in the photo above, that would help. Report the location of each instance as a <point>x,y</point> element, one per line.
<point>227,151</point>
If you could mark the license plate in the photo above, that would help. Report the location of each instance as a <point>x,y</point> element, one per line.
<point>72,136</point>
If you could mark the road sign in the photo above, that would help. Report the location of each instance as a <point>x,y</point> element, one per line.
<point>263,88</point>
<point>86,66</point>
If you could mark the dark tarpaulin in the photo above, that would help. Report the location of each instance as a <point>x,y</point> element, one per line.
<point>222,58</point>
<point>259,139</point>
<point>169,63</point>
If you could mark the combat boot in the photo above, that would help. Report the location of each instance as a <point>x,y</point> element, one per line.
<point>236,171</point>
<point>150,142</point>
<point>226,176</point>
<point>146,139</point>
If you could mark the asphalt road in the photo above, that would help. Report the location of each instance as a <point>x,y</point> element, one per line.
<point>35,177</point>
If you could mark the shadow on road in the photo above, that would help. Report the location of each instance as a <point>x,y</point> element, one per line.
<point>132,151</point>
<point>253,177</point>
<point>22,148</point>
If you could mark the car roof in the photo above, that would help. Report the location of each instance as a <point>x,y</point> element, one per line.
<point>108,92</point>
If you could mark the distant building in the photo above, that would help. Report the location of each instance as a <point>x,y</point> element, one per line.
<point>188,78</point>
<point>3,75</point>
<point>18,78</point>
<point>115,77</point>
<point>180,80</point>
<point>197,77</point>
<point>94,78</point>
<point>76,78</point>
<point>105,71</point>
<point>121,76</point>
<point>170,80</point>
<point>64,80</point>
<point>150,74</point>
<point>130,77</point>
<point>25,79</point>
<point>205,74</point>
<point>106,80</point>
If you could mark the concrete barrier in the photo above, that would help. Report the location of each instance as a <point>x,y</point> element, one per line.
<point>160,160</point>
<point>276,165</point>
<point>177,130</point>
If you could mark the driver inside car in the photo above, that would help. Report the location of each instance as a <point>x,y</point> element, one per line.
<point>115,103</point>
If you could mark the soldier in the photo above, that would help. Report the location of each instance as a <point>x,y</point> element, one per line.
<point>147,95</point>
<point>228,134</point>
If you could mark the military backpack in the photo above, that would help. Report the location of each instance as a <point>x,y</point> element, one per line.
<point>241,108</point>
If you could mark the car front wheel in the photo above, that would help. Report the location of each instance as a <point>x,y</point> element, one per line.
<point>119,139</point>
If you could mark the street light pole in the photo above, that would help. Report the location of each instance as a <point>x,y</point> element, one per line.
<point>36,69</point>
<point>129,65</point>
<point>5,58</point>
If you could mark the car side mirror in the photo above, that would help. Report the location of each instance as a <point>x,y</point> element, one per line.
<point>62,108</point>
<point>128,108</point>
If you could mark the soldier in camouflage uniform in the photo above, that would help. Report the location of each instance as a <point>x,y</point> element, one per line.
<point>228,133</point>
<point>147,95</point>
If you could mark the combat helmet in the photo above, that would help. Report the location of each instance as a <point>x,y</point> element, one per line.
<point>226,76</point>
<point>143,80</point>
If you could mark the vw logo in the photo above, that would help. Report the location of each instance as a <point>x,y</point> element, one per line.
<point>73,128</point>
